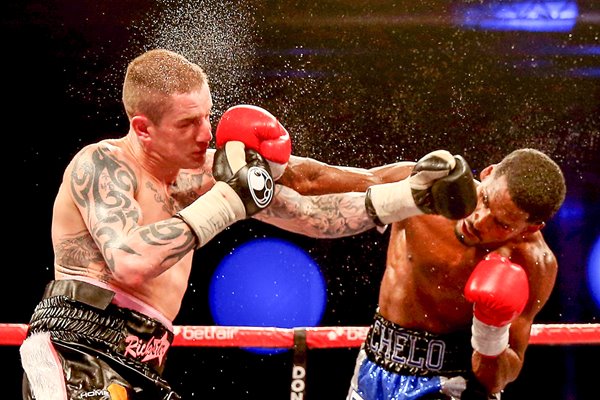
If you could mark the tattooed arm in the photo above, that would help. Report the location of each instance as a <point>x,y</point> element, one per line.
<point>323,216</point>
<point>327,201</point>
<point>127,215</point>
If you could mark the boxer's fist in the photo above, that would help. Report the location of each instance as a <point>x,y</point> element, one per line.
<point>259,130</point>
<point>247,173</point>
<point>443,184</point>
<point>440,183</point>
<point>499,290</point>
<point>244,187</point>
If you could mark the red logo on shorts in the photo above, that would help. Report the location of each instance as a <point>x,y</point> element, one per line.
<point>153,348</point>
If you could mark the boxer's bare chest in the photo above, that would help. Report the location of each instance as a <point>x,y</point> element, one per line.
<point>431,248</point>
<point>428,268</point>
<point>161,200</point>
<point>156,200</point>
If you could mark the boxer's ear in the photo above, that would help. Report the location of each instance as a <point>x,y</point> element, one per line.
<point>486,171</point>
<point>140,123</point>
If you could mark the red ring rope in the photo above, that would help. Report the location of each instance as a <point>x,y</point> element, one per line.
<point>317,337</point>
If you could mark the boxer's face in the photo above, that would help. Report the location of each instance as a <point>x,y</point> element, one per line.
<point>184,132</point>
<point>496,218</point>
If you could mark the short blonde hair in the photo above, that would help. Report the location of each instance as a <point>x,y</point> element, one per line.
<point>153,77</point>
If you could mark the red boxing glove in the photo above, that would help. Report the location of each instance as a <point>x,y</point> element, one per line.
<point>499,290</point>
<point>259,130</point>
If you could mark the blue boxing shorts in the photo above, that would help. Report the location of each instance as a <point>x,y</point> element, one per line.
<point>395,363</point>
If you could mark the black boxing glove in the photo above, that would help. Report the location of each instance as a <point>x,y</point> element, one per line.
<point>454,196</point>
<point>247,172</point>
<point>440,183</point>
<point>244,187</point>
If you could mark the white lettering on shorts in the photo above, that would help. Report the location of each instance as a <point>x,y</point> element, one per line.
<point>102,394</point>
<point>402,348</point>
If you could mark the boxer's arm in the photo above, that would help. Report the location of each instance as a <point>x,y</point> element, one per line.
<point>244,187</point>
<point>440,183</point>
<point>312,177</point>
<point>102,183</point>
<point>322,216</point>
<point>393,172</point>
<point>497,372</point>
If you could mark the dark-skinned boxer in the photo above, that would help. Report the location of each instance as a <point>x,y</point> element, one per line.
<point>459,295</point>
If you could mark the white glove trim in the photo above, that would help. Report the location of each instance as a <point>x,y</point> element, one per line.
<point>487,339</point>
<point>423,179</point>
<point>393,201</point>
<point>212,212</point>
<point>236,155</point>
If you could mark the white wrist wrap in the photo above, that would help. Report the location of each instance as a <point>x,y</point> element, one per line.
<point>212,212</point>
<point>393,201</point>
<point>487,339</point>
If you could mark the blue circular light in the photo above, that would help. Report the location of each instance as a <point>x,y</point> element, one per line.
<point>594,272</point>
<point>270,283</point>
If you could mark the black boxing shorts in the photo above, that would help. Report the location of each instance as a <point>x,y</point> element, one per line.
<point>410,352</point>
<point>80,345</point>
<point>416,355</point>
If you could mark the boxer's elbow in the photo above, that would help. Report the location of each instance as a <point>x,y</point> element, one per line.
<point>134,270</point>
<point>294,179</point>
<point>495,373</point>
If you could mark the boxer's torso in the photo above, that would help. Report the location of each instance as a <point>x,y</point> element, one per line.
<point>427,269</point>
<point>76,253</point>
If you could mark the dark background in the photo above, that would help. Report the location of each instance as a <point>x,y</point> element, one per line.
<point>358,83</point>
